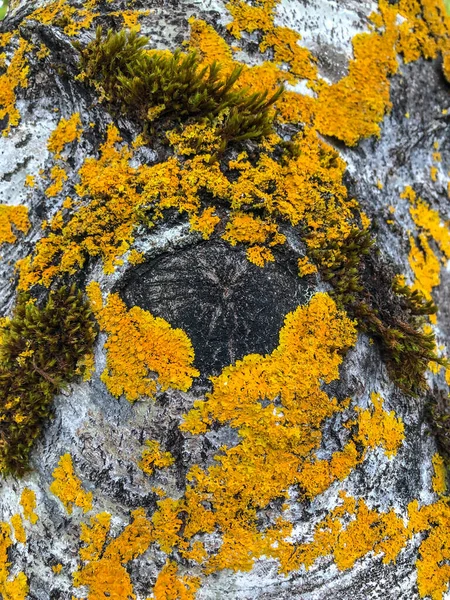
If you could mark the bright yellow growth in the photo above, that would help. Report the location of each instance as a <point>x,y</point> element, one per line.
<point>58,175</point>
<point>425,265</point>
<point>57,568</point>
<point>440,475</point>
<point>140,345</point>
<point>10,589</point>
<point>136,258</point>
<point>305,267</point>
<point>169,586</point>
<point>276,438</point>
<point>19,531</point>
<point>9,216</point>
<point>67,487</point>
<point>379,428</point>
<point>30,181</point>
<point>66,132</point>
<point>104,571</point>
<point>353,107</point>
<point>15,76</point>
<point>153,458</point>
<point>205,222</point>
<point>28,502</point>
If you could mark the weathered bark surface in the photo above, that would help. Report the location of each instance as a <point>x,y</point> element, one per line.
<point>229,308</point>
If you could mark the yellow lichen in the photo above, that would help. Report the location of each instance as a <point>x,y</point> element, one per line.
<point>28,502</point>
<point>57,568</point>
<point>12,215</point>
<point>19,531</point>
<point>153,458</point>
<point>136,258</point>
<point>139,345</point>
<point>15,76</point>
<point>10,589</point>
<point>58,175</point>
<point>67,131</point>
<point>276,440</point>
<point>205,222</point>
<point>425,265</point>
<point>104,572</point>
<point>67,486</point>
<point>305,267</point>
<point>379,428</point>
<point>440,474</point>
<point>169,586</point>
<point>353,107</point>
<point>30,181</point>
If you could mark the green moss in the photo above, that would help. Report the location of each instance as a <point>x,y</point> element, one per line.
<point>41,349</point>
<point>163,87</point>
<point>391,313</point>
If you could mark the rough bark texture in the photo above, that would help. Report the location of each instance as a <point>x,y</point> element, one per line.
<point>229,308</point>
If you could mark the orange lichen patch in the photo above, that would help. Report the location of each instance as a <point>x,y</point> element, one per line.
<point>5,38</point>
<point>94,536</point>
<point>30,181</point>
<point>104,225</point>
<point>169,586</point>
<point>153,458</point>
<point>425,266</point>
<point>377,427</point>
<point>67,487</point>
<point>15,76</point>
<point>43,52</point>
<point>167,524</point>
<point>425,29</point>
<point>28,503</point>
<point>439,479</point>
<point>305,188</point>
<point>260,255</point>
<point>251,18</point>
<point>433,173</point>
<point>139,345</point>
<point>75,19</point>
<point>195,138</point>
<point>317,476</point>
<point>245,228</point>
<point>57,568</point>
<point>210,44</point>
<point>58,175</point>
<point>276,437</point>
<point>104,573</point>
<point>19,531</point>
<point>354,107</point>
<point>430,222</point>
<point>9,216</point>
<point>305,267</point>
<point>67,131</point>
<point>433,565</point>
<point>131,18</point>
<point>286,50</point>
<point>205,222</point>
<point>136,258</point>
<point>10,589</point>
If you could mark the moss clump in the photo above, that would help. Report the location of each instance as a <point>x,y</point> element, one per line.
<point>340,265</point>
<point>394,315</point>
<point>389,311</point>
<point>41,350</point>
<point>158,85</point>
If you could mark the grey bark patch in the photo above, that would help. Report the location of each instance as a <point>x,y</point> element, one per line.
<point>228,306</point>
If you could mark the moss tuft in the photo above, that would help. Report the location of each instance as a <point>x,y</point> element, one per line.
<point>158,85</point>
<point>40,351</point>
